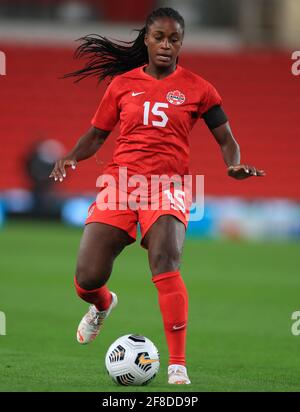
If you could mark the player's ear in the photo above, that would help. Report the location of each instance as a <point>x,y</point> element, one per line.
<point>146,39</point>
<point>182,39</point>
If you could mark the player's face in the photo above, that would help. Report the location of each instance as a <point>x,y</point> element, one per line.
<point>164,41</point>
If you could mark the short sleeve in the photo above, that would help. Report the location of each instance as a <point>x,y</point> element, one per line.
<point>108,113</point>
<point>210,99</point>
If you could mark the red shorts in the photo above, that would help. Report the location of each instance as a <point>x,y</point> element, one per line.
<point>172,203</point>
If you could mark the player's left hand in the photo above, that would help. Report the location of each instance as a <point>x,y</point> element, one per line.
<point>244,171</point>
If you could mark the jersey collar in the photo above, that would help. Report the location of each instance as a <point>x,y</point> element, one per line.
<point>171,75</point>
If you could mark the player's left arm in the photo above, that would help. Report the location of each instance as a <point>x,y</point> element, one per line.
<point>219,126</point>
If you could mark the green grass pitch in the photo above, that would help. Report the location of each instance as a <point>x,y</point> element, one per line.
<point>239,338</point>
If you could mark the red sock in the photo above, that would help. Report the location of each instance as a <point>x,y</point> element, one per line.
<point>173,302</point>
<point>100,297</point>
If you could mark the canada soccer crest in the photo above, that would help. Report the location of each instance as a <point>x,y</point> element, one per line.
<point>176,97</point>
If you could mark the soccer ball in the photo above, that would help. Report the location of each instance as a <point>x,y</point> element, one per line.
<point>132,360</point>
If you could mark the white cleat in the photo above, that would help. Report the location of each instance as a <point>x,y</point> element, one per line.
<point>91,323</point>
<point>178,375</point>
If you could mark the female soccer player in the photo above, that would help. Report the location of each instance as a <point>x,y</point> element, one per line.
<point>157,102</point>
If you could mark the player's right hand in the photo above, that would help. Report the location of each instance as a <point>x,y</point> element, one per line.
<point>59,170</point>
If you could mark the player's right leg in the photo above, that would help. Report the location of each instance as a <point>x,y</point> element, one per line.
<point>100,245</point>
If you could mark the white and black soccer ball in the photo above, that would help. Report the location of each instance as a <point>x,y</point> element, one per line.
<point>132,360</point>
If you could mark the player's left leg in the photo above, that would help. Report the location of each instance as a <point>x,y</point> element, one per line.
<point>164,241</point>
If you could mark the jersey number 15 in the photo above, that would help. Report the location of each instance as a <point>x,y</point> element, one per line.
<point>156,112</point>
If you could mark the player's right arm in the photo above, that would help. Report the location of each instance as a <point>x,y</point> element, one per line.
<point>103,122</point>
<point>86,147</point>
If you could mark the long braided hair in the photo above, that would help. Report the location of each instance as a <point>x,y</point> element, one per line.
<point>109,59</point>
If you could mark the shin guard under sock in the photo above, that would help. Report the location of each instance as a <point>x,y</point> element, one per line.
<point>173,302</point>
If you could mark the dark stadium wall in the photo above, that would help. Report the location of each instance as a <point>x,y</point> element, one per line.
<point>260,95</point>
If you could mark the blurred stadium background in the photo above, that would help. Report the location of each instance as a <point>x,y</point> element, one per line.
<point>244,47</point>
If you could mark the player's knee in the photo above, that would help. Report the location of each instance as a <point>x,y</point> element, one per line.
<point>165,260</point>
<point>89,278</point>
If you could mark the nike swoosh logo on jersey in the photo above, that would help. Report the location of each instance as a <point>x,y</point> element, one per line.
<point>135,94</point>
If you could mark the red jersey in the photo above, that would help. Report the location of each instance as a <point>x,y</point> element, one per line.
<point>156,117</point>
